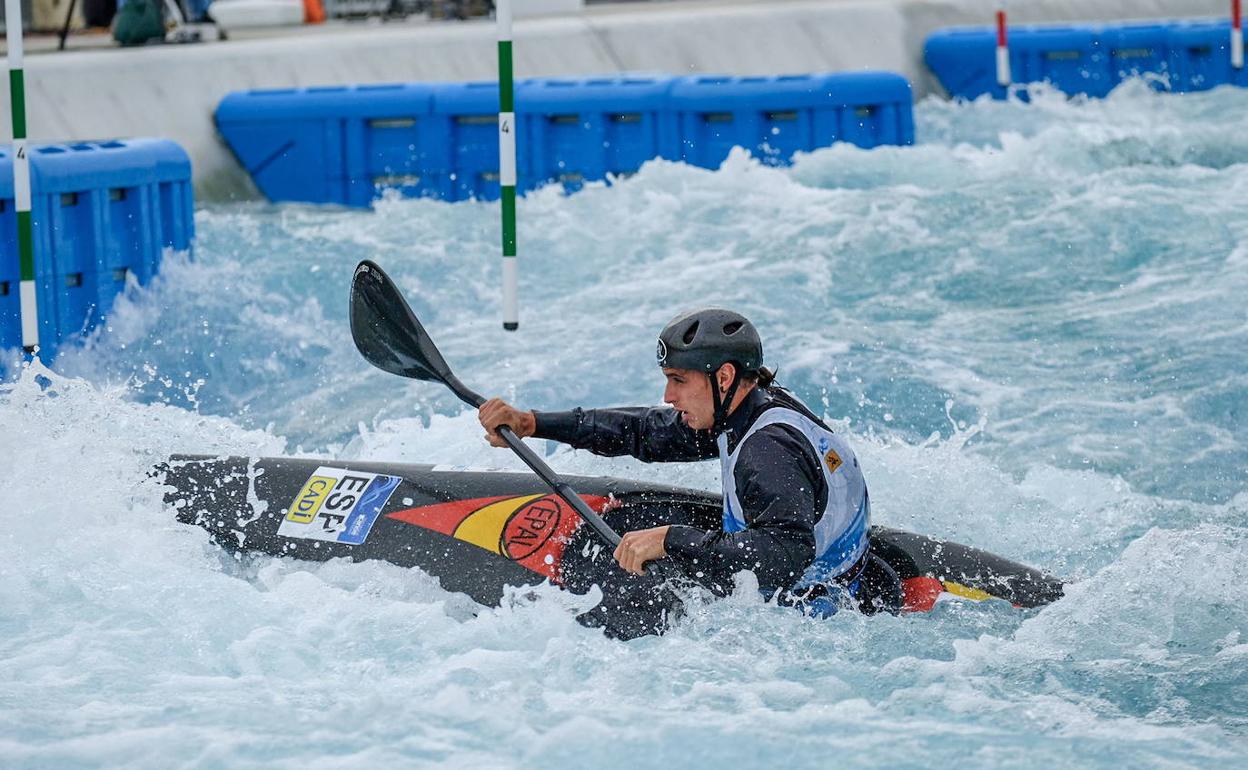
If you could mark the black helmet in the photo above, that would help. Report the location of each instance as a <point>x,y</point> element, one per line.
<point>707,338</point>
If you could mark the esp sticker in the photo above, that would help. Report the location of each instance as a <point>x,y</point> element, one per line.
<point>338,506</point>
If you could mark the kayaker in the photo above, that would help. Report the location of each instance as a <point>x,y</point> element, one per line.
<point>796,508</point>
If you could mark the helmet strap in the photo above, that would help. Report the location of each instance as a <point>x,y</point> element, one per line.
<point>722,405</point>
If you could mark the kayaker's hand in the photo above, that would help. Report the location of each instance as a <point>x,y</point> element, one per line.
<point>496,412</point>
<point>637,548</point>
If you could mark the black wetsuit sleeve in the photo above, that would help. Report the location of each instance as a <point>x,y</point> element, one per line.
<point>782,493</point>
<point>651,434</point>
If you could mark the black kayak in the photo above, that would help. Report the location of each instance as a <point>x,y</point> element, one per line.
<point>479,532</point>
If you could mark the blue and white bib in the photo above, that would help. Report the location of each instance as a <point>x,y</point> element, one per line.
<point>841,532</point>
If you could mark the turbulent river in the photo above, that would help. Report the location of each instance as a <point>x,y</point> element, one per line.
<point>1031,326</point>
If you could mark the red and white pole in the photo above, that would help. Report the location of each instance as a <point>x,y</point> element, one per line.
<point>1237,36</point>
<point>1003,48</point>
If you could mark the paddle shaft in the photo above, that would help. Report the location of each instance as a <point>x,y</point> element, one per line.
<point>560,486</point>
<point>538,466</point>
<point>390,336</point>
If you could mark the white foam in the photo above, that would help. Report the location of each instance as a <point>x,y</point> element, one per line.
<point>1022,325</point>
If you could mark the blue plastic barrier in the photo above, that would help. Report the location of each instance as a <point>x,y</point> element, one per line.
<point>580,130</point>
<point>348,145</point>
<point>775,117</point>
<point>569,131</point>
<point>10,274</point>
<point>1089,60</point>
<point>466,167</point>
<point>101,212</point>
<point>334,145</point>
<point>1200,58</point>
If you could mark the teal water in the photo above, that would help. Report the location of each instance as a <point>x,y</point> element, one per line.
<point>1031,325</point>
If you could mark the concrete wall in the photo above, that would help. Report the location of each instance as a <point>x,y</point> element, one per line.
<point>171,91</point>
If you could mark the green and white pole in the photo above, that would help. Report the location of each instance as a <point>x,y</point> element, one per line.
<point>506,163</point>
<point>21,175</point>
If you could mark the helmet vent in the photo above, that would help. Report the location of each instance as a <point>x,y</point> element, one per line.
<point>732,327</point>
<point>691,332</point>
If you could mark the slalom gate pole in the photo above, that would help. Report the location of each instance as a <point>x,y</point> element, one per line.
<point>28,297</point>
<point>1237,35</point>
<point>1003,49</point>
<point>506,163</point>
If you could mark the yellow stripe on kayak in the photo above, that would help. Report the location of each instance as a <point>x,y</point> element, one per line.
<point>484,527</point>
<point>966,592</point>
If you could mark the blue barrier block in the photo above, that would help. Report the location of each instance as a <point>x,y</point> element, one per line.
<point>963,59</point>
<point>66,245</point>
<point>332,145</point>
<point>773,117</point>
<point>575,131</point>
<point>467,117</point>
<point>1136,51</point>
<point>102,214</point>
<point>1071,56</point>
<point>715,114</point>
<point>872,109</point>
<point>10,275</point>
<point>1091,60</point>
<point>1200,57</point>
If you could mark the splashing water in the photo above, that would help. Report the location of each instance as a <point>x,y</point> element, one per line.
<point>1031,325</point>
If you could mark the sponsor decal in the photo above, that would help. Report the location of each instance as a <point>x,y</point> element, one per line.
<point>310,499</point>
<point>832,459</point>
<point>530,530</point>
<point>338,506</point>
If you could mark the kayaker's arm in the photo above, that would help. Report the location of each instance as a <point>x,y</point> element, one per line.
<point>781,500</point>
<point>651,434</point>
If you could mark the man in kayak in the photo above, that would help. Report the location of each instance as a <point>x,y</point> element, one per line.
<point>796,509</point>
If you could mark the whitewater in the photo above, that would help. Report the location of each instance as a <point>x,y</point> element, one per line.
<point>1031,326</point>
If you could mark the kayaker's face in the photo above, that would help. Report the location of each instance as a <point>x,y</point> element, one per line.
<point>689,392</point>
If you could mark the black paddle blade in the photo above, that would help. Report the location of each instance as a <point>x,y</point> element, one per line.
<point>387,332</point>
<point>390,337</point>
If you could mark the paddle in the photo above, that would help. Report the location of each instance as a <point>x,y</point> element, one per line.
<point>390,337</point>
